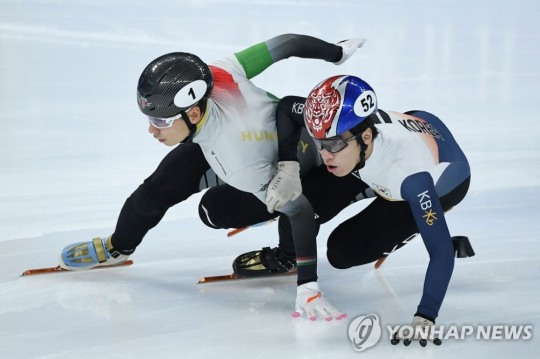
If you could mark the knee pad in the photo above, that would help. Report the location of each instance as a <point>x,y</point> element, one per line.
<point>204,213</point>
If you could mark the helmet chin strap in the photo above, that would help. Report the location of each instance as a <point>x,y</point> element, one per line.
<point>191,127</point>
<point>363,149</point>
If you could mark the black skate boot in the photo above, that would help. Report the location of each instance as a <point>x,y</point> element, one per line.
<point>265,262</point>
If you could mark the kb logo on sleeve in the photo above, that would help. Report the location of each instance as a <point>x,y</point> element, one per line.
<point>298,108</point>
<point>425,204</point>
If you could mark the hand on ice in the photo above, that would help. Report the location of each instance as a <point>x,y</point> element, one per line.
<point>421,331</point>
<point>284,187</point>
<point>310,299</point>
<point>349,48</point>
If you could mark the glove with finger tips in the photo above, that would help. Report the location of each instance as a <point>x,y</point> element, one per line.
<point>421,331</point>
<point>349,48</point>
<point>310,299</point>
<point>284,187</point>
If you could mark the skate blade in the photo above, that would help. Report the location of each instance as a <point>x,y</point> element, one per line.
<point>59,269</point>
<point>228,277</point>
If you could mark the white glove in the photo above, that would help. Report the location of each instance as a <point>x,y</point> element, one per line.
<point>310,299</point>
<point>349,48</point>
<point>284,187</point>
<point>422,328</point>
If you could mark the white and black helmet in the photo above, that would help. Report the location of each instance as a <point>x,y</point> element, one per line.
<point>173,83</point>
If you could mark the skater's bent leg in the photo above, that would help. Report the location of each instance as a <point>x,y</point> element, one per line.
<point>227,207</point>
<point>381,228</point>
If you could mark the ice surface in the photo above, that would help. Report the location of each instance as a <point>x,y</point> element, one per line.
<point>73,146</point>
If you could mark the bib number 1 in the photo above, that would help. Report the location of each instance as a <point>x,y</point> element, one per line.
<point>190,94</point>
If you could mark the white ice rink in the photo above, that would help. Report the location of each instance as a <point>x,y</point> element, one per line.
<point>73,146</point>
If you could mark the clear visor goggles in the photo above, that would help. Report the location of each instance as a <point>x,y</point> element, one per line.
<point>163,122</point>
<point>333,145</point>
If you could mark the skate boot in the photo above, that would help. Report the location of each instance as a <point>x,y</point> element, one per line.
<point>263,262</point>
<point>87,255</point>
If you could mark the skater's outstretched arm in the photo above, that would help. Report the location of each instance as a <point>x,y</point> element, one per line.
<point>257,58</point>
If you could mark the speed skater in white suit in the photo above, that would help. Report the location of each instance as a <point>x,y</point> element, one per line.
<point>226,123</point>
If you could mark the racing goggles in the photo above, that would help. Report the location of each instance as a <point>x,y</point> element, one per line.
<point>163,122</point>
<point>333,145</point>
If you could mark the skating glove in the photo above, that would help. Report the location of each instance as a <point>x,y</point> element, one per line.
<point>310,299</point>
<point>349,48</point>
<point>422,328</point>
<point>284,187</point>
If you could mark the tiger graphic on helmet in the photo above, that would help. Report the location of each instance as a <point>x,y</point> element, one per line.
<point>321,107</point>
